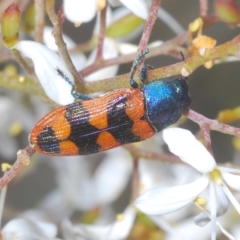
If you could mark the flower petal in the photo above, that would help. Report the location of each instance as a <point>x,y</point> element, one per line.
<point>45,63</point>
<point>108,191</point>
<point>25,229</point>
<point>118,230</point>
<point>126,48</point>
<point>221,200</point>
<point>213,209</point>
<point>68,176</point>
<point>220,204</point>
<point>236,231</point>
<point>182,143</point>
<point>187,230</point>
<point>231,197</point>
<point>79,11</point>
<point>232,180</point>
<point>165,200</point>
<point>138,7</point>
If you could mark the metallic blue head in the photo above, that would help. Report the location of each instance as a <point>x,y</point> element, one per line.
<point>166,100</point>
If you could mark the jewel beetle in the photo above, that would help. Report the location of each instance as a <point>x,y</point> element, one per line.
<point>115,118</point>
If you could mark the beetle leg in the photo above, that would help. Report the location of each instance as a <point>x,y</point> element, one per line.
<point>144,71</point>
<point>134,68</point>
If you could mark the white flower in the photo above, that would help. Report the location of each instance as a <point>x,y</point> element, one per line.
<point>117,230</point>
<point>25,229</point>
<point>98,189</point>
<point>80,11</point>
<point>112,175</point>
<point>187,230</point>
<point>165,200</point>
<point>46,62</point>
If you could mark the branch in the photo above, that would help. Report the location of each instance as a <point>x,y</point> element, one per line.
<point>57,34</point>
<point>39,20</point>
<point>140,153</point>
<point>153,14</point>
<point>207,124</point>
<point>122,81</point>
<point>102,31</point>
<point>23,159</point>
<point>22,62</point>
<point>135,180</point>
<point>170,47</point>
<point>25,84</point>
<point>203,8</point>
<point>188,66</point>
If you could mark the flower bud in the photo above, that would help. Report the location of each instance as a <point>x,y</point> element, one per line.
<point>228,11</point>
<point>10,25</point>
<point>28,18</point>
<point>228,116</point>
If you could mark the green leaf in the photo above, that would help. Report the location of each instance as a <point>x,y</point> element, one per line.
<point>124,26</point>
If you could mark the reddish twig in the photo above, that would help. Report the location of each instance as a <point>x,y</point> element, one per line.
<point>203,8</point>
<point>153,14</point>
<point>168,48</point>
<point>39,20</point>
<point>205,130</point>
<point>207,124</point>
<point>140,153</point>
<point>102,31</point>
<point>23,159</point>
<point>212,124</point>
<point>135,180</point>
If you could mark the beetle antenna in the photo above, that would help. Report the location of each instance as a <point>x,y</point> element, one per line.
<point>73,91</point>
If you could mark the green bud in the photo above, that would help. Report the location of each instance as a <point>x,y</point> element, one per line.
<point>10,24</point>
<point>28,18</point>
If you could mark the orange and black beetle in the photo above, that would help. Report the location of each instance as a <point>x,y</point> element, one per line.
<point>111,120</point>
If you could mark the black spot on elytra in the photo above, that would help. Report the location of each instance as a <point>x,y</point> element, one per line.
<point>119,124</point>
<point>47,141</point>
<point>83,134</point>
